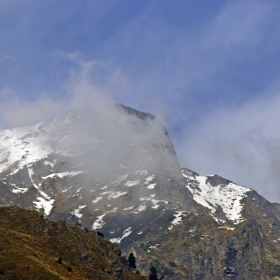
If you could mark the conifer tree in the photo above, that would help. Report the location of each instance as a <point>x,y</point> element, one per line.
<point>131,261</point>
<point>100,234</point>
<point>153,273</point>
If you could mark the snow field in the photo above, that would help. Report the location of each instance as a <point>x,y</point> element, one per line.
<point>228,197</point>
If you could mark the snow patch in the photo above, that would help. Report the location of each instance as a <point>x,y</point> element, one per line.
<point>228,228</point>
<point>132,183</point>
<point>129,208</point>
<point>125,233</point>
<point>116,195</point>
<point>150,178</point>
<point>148,182</point>
<point>46,162</point>
<point>44,203</point>
<point>63,174</point>
<point>30,172</point>
<point>97,199</point>
<point>178,219</point>
<point>77,213</point>
<point>99,223</point>
<point>228,197</point>
<point>106,192</point>
<point>113,194</point>
<point>141,208</point>
<point>19,190</point>
<point>151,186</point>
<point>154,201</point>
<point>22,146</point>
<point>67,189</point>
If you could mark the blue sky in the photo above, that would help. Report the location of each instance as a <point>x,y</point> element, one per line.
<point>209,69</point>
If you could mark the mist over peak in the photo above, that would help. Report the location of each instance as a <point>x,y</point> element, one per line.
<point>135,112</point>
<point>105,142</point>
<point>111,168</point>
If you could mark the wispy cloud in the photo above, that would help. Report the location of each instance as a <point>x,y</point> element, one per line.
<point>209,71</point>
<point>7,57</point>
<point>89,83</point>
<point>241,144</point>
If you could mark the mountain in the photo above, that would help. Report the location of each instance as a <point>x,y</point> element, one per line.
<point>114,169</point>
<point>36,248</point>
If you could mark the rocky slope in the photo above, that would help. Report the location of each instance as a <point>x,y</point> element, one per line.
<point>115,170</point>
<point>233,234</point>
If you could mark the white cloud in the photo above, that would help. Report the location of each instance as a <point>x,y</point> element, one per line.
<point>179,71</point>
<point>90,83</point>
<point>7,57</point>
<point>241,144</point>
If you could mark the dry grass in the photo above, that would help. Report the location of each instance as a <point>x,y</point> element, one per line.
<point>30,247</point>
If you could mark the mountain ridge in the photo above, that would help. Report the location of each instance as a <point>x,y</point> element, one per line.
<point>116,171</point>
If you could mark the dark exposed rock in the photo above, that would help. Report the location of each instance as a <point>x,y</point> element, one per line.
<point>236,257</point>
<point>216,180</point>
<point>136,113</point>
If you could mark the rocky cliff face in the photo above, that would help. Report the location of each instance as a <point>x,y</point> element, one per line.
<point>232,256</point>
<point>115,170</point>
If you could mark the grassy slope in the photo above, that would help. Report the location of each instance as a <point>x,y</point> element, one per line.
<point>30,247</point>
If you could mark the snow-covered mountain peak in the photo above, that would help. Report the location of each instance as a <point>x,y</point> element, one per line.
<point>92,158</point>
<point>22,146</point>
<point>222,197</point>
<point>115,170</point>
<point>70,134</point>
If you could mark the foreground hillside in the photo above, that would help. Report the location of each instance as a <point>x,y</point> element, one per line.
<point>31,247</point>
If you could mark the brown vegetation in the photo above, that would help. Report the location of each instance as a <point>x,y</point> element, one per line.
<point>32,247</point>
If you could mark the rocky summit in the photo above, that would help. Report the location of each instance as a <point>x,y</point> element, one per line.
<point>114,170</point>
